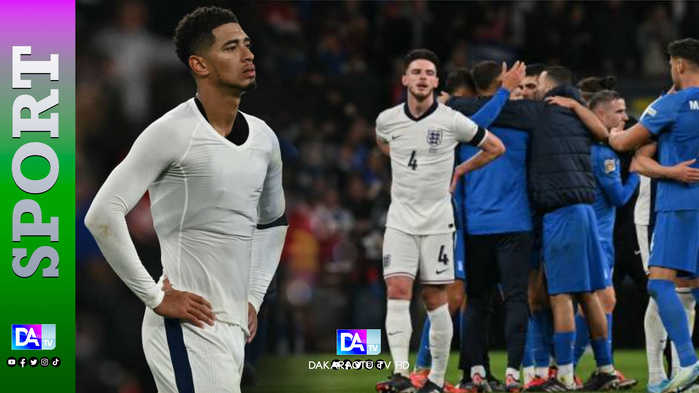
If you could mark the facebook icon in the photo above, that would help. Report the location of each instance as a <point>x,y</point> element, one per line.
<point>358,341</point>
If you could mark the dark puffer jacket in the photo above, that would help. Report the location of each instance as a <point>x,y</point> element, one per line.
<point>560,169</point>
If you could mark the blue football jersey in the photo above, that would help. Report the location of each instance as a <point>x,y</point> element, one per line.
<point>674,118</point>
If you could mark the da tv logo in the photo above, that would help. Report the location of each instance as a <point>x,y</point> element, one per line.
<point>36,337</point>
<point>358,341</point>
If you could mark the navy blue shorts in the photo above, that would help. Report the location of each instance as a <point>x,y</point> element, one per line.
<point>572,254</point>
<point>675,243</point>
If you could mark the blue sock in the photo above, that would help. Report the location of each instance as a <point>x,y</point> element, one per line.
<point>563,343</point>
<point>582,337</point>
<point>528,359</point>
<point>542,329</point>
<point>603,352</point>
<point>424,358</point>
<point>609,331</point>
<point>674,318</point>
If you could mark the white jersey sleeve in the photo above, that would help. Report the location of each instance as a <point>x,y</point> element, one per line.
<point>381,132</point>
<point>468,131</point>
<point>268,238</point>
<point>271,205</point>
<point>127,183</point>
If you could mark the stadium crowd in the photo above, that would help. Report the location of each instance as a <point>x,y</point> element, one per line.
<point>325,71</point>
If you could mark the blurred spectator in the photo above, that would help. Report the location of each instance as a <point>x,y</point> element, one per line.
<point>136,54</point>
<point>656,31</point>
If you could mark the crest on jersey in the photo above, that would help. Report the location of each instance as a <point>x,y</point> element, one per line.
<point>609,166</point>
<point>434,138</point>
<point>386,260</point>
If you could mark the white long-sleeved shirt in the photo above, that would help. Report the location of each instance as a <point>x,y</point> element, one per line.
<point>207,197</point>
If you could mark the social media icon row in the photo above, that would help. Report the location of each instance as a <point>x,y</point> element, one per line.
<point>33,362</point>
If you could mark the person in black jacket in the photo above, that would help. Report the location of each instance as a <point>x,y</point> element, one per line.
<point>562,188</point>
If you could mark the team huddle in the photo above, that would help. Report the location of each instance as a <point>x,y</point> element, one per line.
<point>532,204</point>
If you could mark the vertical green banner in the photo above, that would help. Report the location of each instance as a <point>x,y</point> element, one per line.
<point>37,198</point>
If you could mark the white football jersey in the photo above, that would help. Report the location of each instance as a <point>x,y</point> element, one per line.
<point>422,164</point>
<point>207,196</point>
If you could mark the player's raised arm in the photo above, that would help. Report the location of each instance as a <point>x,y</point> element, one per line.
<point>654,120</point>
<point>106,220</point>
<point>585,115</point>
<point>491,147</point>
<point>624,140</point>
<point>268,238</point>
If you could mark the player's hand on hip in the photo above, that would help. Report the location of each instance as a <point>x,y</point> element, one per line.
<point>683,172</point>
<point>459,171</point>
<point>187,307</point>
<point>252,322</point>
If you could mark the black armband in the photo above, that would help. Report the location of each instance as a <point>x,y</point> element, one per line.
<point>281,221</point>
<point>478,138</point>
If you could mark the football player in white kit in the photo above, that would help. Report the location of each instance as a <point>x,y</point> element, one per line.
<point>420,136</point>
<point>214,177</point>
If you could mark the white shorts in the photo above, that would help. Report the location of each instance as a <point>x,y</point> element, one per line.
<point>431,255</point>
<point>642,236</point>
<point>184,358</point>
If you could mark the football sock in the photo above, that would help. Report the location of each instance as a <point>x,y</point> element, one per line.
<point>565,374</point>
<point>603,353</point>
<point>656,338</point>
<point>563,343</point>
<point>480,370</point>
<point>528,359</point>
<point>582,337</point>
<point>398,329</point>
<point>441,333</point>
<point>542,326</point>
<point>513,372</point>
<point>610,320</point>
<point>674,318</point>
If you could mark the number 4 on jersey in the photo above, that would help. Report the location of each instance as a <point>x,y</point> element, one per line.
<point>443,258</point>
<point>412,162</point>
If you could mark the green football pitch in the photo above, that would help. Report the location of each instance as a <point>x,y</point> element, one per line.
<point>292,374</point>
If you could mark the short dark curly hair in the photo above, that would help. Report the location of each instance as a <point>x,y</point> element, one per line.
<point>485,74</point>
<point>194,31</point>
<point>687,49</point>
<point>421,54</point>
<point>458,78</point>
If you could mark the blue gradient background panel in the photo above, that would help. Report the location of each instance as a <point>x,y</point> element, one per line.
<point>358,341</point>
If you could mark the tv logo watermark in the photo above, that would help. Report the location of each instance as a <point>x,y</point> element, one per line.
<point>358,341</point>
<point>35,337</point>
<point>358,364</point>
